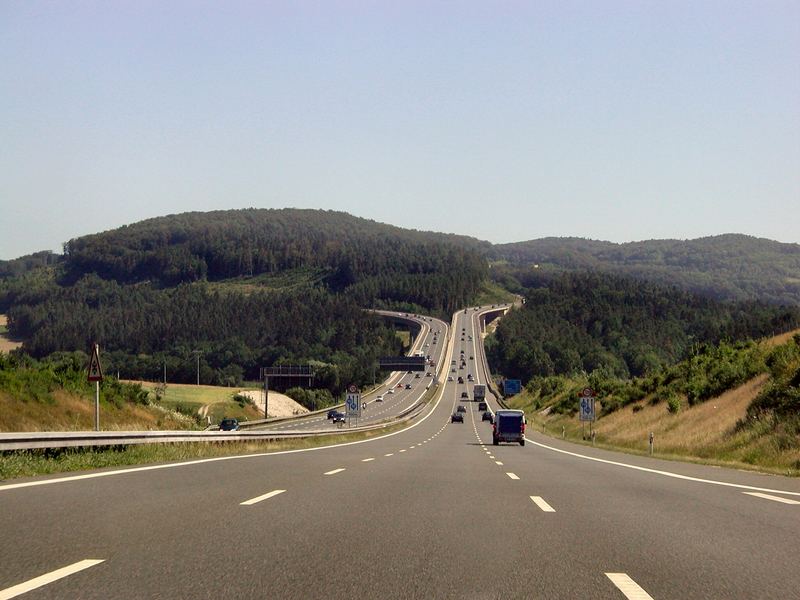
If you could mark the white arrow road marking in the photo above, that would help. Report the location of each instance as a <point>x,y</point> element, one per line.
<point>775,498</point>
<point>334,472</point>
<point>258,499</point>
<point>38,582</point>
<point>539,501</point>
<point>628,586</point>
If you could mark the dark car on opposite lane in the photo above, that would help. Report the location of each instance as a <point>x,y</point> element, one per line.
<point>229,425</point>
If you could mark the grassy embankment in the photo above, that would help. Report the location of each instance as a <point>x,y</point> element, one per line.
<point>42,462</point>
<point>492,293</point>
<point>203,400</point>
<point>739,426</point>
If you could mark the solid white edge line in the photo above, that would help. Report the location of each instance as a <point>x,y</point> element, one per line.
<point>512,475</point>
<point>13,486</point>
<point>659,472</point>
<point>37,582</point>
<point>335,471</point>
<point>774,498</point>
<point>258,499</point>
<point>541,503</point>
<point>626,585</point>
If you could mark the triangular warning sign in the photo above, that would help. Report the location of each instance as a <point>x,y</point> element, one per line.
<point>95,372</point>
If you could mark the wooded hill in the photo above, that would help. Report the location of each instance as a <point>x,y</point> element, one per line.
<point>731,267</point>
<point>584,322</point>
<point>245,288</point>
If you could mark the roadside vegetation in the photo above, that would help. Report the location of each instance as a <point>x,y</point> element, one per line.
<point>730,404</point>
<point>30,463</point>
<point>53,395</point>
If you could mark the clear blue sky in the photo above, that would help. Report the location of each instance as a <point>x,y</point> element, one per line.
<point>615,120</point>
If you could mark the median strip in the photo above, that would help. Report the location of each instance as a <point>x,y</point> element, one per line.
<point>258,499</point>
<point>628,586</point>
<point>42,580</point>
<point>334,472</point>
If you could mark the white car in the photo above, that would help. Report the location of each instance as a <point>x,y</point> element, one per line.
<point>379,399</point>
<point>390,391</point>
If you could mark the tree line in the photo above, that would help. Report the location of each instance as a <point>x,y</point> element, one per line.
<point>581,322</point>
<point>141,328</point>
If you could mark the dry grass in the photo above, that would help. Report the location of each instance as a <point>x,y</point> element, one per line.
<point>779,339</point>
<point>70,412</point>
<point>705,433</point>
<point>696,429</point>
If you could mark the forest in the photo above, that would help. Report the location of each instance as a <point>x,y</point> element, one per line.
<point>725,267</point>
<point>142,328</point>
<point>242,289</point>
<point>582,322</point>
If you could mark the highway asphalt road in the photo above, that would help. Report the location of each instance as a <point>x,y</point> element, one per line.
<point>432,340</point>
<point>434,511</point>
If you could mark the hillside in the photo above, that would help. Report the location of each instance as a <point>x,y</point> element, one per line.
<point>737,406</point>
<point>576,322</point>
<point>242,289</point>
<point>370,261</point>
<point>734,267</point>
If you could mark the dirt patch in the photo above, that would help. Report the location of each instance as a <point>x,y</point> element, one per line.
<point>6,343</point>
<point>280,405</point>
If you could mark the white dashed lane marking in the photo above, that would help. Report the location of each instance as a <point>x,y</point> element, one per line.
<point>773,498</point>
<point>335,471</point>
<point>366,459</point>
<point>258,499</point>
<point>390,454</point>
<point>512,475</point>
<point>539,501</point>
<point>42,580</point>
<point>628,586</point>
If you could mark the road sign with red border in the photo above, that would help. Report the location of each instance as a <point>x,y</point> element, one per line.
<point>94,369</point>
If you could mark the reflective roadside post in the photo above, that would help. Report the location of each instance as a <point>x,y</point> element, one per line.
<point>651,443</point>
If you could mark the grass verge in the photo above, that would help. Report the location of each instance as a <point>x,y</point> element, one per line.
<point>32,463</point>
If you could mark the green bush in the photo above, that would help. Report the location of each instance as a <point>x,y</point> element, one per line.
<point>673,404</point>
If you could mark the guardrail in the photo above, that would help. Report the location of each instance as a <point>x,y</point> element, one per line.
<point>51,439</point>
<point>388,314</point>
<point>56,439</point>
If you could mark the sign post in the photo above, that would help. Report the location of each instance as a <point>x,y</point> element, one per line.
<point>587,410</point>
<point>353,404</point>
<point>95,373</point>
